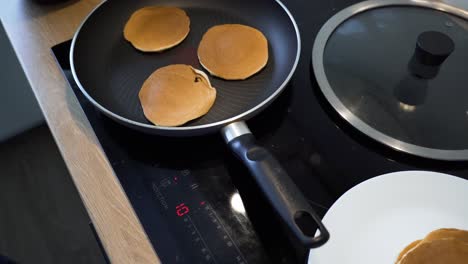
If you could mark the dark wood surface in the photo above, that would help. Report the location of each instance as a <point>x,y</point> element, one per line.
<point>42,219</point>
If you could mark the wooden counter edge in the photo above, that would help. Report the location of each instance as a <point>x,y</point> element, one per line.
<point>33,30</point>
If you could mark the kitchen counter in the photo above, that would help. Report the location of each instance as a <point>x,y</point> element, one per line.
<point>33,29</point>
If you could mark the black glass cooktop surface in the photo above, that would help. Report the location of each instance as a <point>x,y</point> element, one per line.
<point>197,202</point>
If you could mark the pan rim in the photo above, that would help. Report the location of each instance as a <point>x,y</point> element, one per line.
<point>242,116</point>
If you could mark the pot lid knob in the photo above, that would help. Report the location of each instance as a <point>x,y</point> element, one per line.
<point>432,48</point>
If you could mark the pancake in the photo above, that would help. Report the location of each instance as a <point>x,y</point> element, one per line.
<point>157,28</point>
<point>441,251</point>
<point>461,235</point>
<point>407,249</point>
<point>443,233</point>
<point>233,51</point>
<point>176,94</point>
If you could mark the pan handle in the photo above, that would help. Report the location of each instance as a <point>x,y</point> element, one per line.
<point>280,190</point>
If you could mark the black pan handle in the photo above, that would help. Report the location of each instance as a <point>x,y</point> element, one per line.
<point>280,190</point>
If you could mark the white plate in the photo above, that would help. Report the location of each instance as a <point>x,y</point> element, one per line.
<point>375,220</point>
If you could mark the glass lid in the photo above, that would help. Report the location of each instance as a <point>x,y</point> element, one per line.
<point>398,72</point>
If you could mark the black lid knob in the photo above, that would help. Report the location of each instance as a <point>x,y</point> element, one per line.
<point>432,48</point>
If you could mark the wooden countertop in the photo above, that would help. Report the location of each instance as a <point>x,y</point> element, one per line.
<point>33,29</point>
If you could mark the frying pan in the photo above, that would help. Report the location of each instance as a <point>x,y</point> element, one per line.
<point>110,72</point>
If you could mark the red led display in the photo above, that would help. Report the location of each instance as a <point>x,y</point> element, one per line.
<point>182,209</point>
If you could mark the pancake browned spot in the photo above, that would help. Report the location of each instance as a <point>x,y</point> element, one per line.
<point>233,51</point>
<point>441,251</point>
<point>176,94</point>
<point>157,28</point>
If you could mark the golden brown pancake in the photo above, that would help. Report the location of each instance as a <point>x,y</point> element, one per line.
<point>407,248</point>
<point>461,235</point>
<point>441,251</point>
<point>233,51</point>
<point>176,94</point>
<point>443,233</point>
<point>157,28</point>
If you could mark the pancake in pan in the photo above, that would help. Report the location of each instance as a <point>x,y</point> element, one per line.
<point>176,94</point>
<point>157,28</point>
<point>233,51</point>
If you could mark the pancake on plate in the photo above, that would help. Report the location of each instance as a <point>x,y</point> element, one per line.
<point>408,248</point>
<point>440,251</point>
<point>176,94</point>
<point>439,234</point>
<point>233,51</point>
<point>459,234</point>
<point>157,28</point>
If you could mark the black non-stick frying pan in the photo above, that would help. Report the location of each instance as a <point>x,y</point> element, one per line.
<point>110,72</point>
